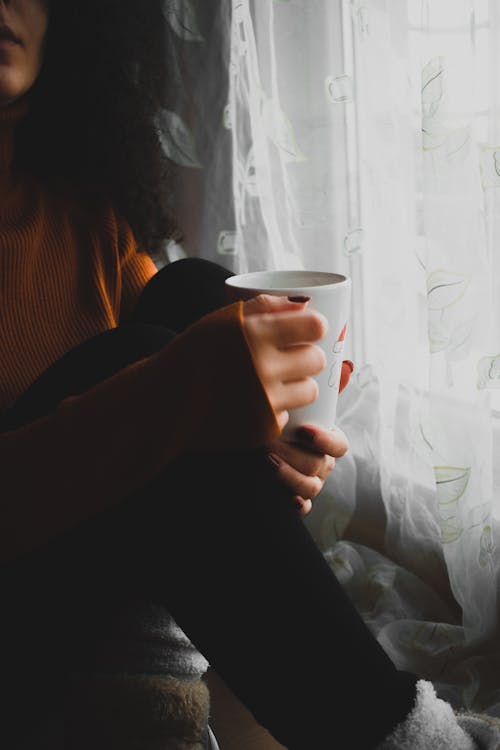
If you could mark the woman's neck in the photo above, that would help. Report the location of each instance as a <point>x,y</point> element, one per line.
<point>10,116</point>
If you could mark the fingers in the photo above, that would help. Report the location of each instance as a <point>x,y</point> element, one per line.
<point>306,360</point>
<point>304,460</point>
<point>281,336</point>
<point>300,484</point>
<point>282,417</point>
<point>284,322</point>
<point>294,394</point>
<point>288,328</point>
<point>305,464</point>
<point>293,364</point>
<point>293,328</point>
<point>285,373</point>
<point>303,507</point>
<point>330,442</point>
<point>263,303</point>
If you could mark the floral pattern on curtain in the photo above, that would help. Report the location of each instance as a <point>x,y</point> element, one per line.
<point>363,136</point>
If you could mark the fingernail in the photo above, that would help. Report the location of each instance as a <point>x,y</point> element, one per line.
<point>305,433</point>
<point>299,298</point>
<point>274,460</point>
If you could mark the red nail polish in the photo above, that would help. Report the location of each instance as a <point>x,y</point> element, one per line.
<point>274,461</point>
<point>299,298</point>
<point>306,434</point>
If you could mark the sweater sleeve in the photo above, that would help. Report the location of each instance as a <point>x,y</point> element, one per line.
<point>201,392</point>
<point>137,270</point>
<point>136,267</point>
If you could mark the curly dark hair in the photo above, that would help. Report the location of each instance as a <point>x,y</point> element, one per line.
<point>92,121</point>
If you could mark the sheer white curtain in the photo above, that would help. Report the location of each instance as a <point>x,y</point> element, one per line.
<point>364,137</point>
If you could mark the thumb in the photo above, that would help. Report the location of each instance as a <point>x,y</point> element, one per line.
<point>269,303</point>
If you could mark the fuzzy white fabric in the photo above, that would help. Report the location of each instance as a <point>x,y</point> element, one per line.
<point>431,725</point>
<point>483,728</point>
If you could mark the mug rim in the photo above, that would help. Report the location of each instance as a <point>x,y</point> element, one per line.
<point>334,279</point>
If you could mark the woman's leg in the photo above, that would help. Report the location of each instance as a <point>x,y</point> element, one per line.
<point>216,540</point>
<point>181,293</point>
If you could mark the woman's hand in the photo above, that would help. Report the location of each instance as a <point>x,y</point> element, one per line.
<point>304,464</point>
<point>281,334</point>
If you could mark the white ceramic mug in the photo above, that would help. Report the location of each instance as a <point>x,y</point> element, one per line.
<point>330,295</point>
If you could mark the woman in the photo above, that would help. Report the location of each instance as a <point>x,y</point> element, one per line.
<point>132,398</point>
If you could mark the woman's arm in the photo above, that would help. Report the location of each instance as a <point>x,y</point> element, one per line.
<point>96,449</point>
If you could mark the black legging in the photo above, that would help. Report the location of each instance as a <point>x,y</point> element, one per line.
<point>217,541</point>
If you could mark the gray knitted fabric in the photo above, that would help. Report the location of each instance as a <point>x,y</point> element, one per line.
<point>483,728</point>
<point>143,638</point>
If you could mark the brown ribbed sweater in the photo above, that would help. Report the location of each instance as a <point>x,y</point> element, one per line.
<point>65,276</point>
